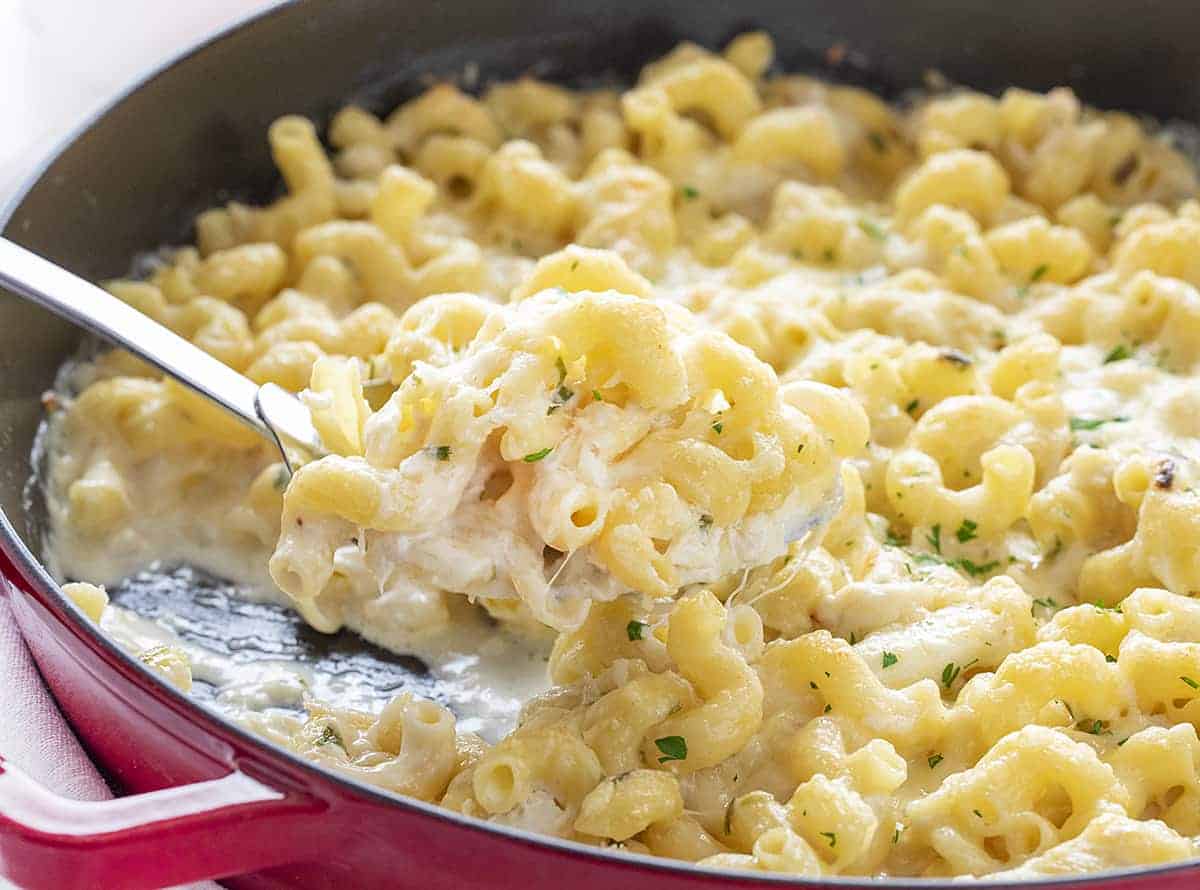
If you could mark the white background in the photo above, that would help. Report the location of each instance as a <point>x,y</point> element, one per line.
<point>60,60</point>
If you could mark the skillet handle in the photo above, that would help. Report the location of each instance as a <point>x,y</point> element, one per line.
<point>211,829</point>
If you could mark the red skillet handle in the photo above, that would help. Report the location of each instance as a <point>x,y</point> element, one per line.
<point>209,829</point>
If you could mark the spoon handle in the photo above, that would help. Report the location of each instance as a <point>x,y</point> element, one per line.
<point>268,409</point>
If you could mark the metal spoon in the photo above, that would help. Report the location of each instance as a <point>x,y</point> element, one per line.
<point>270,410</point>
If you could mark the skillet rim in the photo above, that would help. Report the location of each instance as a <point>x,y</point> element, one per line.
<point>196,714</point>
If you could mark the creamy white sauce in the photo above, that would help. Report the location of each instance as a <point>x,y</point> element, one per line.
<point>482,671</point>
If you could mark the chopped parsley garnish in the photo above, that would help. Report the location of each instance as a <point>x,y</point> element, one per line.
<point>975,569</point>
<point>442,452</point>
<point>911,407</point>
<point>706,522</point>
<point>977,813</point>
<point>876,140</point>
<point>800,448</point>
<point>1046,602</point>
<point>718,427</point>
<point>690,192</point>
<point>536,456</point>
<point>950,674</point>
<point>1023,290</point>
<point>634,630</point>
<point>1190,682</point>
<point>812,684</point>
<point>934,537</point>
<point>828,255</point>
<point>828,708</point>
<point>1111,659</point>
<point>1092,423</point>
<point>966,531</point>
<point>330,736</point>
<point>889,659</point>
<point>934,760</point>
<point>1120,352</point>
<point>673,747</point>
<point>1094,727</point>
<point>832,837</point>
<point>596,395</point>
<point>872,230</point>
<point>562,369</point>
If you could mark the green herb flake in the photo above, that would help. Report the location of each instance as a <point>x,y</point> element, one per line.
<point>889,659</point>
<point>966,531</point>
<point>950,674</point>
<point>896,835</point>
<point>1190,682</point>
<point>1120,352</point>
<point>934,537</point>
<point>828,708</point>
<point>1039,273</point>
<point>673,747</point>
<point>876,139</point>
<point>828,255</point>
<point>1091,423</point>
<point>442,452</point>
<point>1046,602</point>
<point>536,456</point>
<point>812,684</point>
<point>1093,727</point>
<point>562,369</point>
<point>634,630</point>
<point>691,193</point>
<point>596,395</point>
<point>718,427</point>
<point>934,760</point>
<point>706,522</point>
<point>832,837</point>
<point>330,736</point>
<point>977,813</point>
<point>1111,659</point>
<point>911,407</point>
<point>872,230</point>
<point>975,569</point>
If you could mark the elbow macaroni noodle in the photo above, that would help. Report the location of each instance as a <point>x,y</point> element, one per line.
<point>850,450</point>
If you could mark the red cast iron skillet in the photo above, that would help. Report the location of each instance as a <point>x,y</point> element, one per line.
<point>206,799</point>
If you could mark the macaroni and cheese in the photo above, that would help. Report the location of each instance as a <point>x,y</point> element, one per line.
<point>843,454</point>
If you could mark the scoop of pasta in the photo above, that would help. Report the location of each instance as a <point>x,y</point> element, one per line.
<point>577,447</point>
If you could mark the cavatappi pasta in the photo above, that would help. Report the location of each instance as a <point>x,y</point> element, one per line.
<point>849,449</point>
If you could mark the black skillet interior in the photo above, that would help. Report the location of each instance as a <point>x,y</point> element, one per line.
<point>193,136</point>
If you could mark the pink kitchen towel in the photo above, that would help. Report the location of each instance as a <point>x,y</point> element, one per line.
<point>33,733</point>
